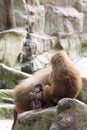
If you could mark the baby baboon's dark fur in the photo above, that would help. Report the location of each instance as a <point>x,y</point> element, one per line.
<point>22,91</point>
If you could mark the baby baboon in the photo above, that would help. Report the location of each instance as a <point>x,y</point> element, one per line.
<point>37,97</point>
<point>22,97</point>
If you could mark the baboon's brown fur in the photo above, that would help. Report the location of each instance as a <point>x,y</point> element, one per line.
<point>62,80</point>
<point>65,79</point>
<point>22,98</point>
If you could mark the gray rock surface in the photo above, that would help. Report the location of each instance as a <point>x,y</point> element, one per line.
<point>71,115</point>
<point>10,77</point>
<point>11,44</point>
<point>38,120</point>
<point>50,23</point>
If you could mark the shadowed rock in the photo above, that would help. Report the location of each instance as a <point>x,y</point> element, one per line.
<point>71,115</point>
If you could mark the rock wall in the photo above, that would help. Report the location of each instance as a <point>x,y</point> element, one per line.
<point>46,26</point>
<point>11,44</point>
<point>50,24</point>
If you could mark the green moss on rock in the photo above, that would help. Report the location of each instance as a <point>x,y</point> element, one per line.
<point>6,94</point>
<point>31,120</point>
<point>40,124</point>
<point>6,111</point>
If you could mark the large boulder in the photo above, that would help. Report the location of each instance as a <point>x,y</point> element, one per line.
<point>66,116</point>
<point>71,115</point>
<point>35,120</point>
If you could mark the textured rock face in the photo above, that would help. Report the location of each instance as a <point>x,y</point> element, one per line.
<point>49,23</point>
<point>11,44</point>
<point>69,117</point>
<point>35,120</point>
<point>63,21</point>
<point>70,114</point>
<point>10,77</point>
